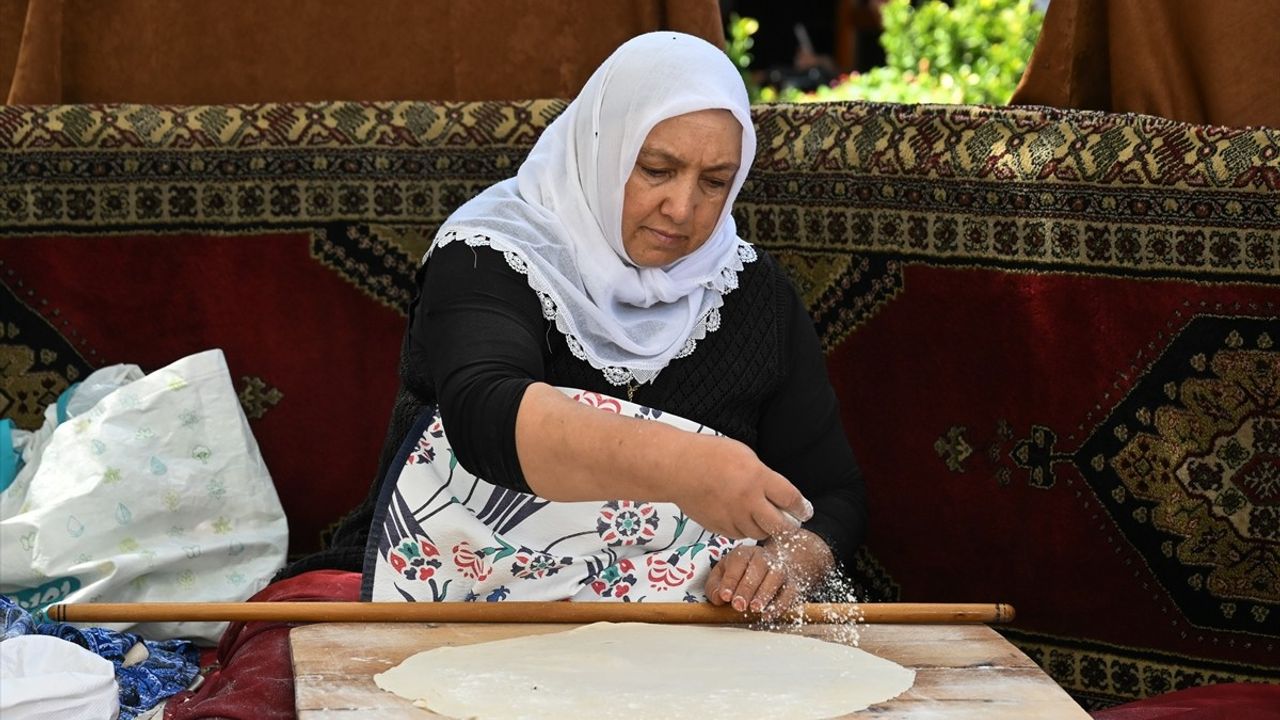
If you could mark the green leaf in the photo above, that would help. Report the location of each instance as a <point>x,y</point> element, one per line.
<point>681,521</point>
<point>506,550</point>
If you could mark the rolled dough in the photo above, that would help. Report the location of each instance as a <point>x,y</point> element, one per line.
<point>637,670</point>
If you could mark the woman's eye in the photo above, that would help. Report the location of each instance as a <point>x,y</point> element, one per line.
<point>716,183</point>
<point>653,172</point>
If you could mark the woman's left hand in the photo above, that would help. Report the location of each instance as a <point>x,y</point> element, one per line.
<point>772,577</point>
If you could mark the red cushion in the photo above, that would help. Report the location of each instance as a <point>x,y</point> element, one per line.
<point>1229,701</point>
<point>255,680</point>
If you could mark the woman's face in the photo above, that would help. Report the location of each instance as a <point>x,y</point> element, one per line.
<point>679,185</point>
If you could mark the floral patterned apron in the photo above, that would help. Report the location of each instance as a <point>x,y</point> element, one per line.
<point>441,533</point>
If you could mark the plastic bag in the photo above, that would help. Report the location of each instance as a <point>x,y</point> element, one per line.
<point>158,493</point>
<point>21,450</point>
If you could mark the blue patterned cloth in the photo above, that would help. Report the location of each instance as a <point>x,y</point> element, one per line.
<point>169,668</point>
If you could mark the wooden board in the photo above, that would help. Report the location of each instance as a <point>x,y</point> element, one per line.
<point>962,671</point>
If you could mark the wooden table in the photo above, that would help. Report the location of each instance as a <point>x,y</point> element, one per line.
<point>962,671</point>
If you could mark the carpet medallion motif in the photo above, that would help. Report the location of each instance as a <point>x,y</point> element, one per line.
<point>1188,465</point>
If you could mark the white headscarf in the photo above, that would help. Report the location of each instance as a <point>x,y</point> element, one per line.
<point>559,220</point>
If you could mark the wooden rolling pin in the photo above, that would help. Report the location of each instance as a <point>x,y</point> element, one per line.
<point>522,612</point>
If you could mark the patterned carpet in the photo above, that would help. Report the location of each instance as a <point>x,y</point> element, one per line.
<point>1053,333</point>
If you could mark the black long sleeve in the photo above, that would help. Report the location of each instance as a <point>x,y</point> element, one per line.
<point>802,439</point>
<point>477,329</point>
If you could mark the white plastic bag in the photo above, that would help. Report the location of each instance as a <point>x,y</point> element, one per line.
<point>75,400</point>
<point>156,494</point>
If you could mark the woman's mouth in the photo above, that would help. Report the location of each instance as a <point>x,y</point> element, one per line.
<point>665,238</point>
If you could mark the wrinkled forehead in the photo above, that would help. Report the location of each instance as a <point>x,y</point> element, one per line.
<point>710,137</point>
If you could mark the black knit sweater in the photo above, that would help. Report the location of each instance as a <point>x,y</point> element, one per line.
<point>477,339</point>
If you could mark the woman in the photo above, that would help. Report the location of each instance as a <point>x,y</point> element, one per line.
<point>608,275</point>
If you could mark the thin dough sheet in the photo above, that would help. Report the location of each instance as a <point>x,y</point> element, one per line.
<point>635,670</point>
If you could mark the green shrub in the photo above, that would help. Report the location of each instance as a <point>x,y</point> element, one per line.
<point>738,46</point>
<point>971,52</point>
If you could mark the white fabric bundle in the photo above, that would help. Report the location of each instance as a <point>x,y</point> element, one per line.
<point>48,678</point>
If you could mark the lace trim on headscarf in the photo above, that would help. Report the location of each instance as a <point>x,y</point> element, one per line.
<point>615,375</point>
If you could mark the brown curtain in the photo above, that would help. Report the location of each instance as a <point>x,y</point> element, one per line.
<point>244,51</point>
<point>1200,61</point>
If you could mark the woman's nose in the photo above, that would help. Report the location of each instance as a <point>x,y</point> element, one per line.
<point>680,202</point>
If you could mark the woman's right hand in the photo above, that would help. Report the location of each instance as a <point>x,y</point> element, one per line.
<point>724,487</point>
